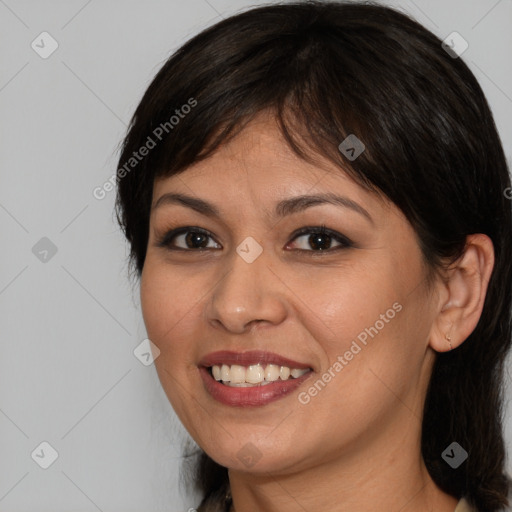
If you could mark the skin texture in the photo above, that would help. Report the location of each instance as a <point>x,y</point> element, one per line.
<point>356,444</point>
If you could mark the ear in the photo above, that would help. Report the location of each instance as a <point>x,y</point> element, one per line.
<point>462,294</point>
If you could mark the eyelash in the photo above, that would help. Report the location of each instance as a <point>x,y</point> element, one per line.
<point>166,239</point>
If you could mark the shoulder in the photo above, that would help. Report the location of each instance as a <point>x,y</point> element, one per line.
<point>464,506</point>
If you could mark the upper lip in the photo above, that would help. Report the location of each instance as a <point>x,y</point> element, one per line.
<point>248,358</point>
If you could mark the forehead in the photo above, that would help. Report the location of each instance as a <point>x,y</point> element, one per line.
<point>259,153</point>
<point>257,172</point>
<point>258,167</point>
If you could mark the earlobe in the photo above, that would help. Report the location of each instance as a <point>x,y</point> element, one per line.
<point>464,290</point>
<point>449,340</point>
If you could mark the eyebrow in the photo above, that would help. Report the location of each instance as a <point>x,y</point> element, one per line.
<point>282,209</point>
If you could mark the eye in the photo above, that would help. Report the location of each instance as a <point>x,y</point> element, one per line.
<point>192,237</point>
<point>320,239</point>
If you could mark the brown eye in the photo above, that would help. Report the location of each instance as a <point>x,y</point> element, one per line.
<point>189,238</point>
<point>320,239</point>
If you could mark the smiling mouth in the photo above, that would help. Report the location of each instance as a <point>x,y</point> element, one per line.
<point>254,375</point>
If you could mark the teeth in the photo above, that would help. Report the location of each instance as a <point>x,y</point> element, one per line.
<point>256,374</point>
<point>245,384</point>
<point>272,372</point>
<point>217,374</point>
<point>237,374</point>
<point>224,373</point>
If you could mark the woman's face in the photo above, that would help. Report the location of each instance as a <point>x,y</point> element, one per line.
<point>356,310</point>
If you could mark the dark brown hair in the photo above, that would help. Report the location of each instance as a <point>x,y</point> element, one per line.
<point>326,70</point>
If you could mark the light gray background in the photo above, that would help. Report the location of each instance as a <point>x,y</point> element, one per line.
<point>68,374</point>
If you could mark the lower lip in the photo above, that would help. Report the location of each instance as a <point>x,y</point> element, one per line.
<point>253,396</point>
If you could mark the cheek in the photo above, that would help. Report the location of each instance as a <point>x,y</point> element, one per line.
<point>168,301</point>
<point>154,303</point>
<point>344,303</point>
<point>374,319</point>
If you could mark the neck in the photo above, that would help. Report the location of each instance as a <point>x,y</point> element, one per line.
<point>289,494</point>
<point>384,475</point>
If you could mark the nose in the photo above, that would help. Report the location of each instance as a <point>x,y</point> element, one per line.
<point>248,293</point>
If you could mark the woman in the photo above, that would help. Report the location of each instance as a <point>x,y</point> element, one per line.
<point>314,196</point>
